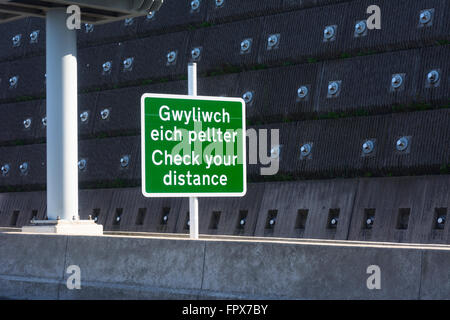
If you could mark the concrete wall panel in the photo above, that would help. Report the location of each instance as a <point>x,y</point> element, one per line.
<point>124,106</point>
<point>396,205</point>
<point>428,132</point>
<point>91,73</point>
<point>304,27</point>
<point>18,209</point>
<point>9,30</point>
<point>175,264</point>
<point>283,271</point>
<point>86,105</point>
<point>35,37</point>
<point>435,280</point>
<point>9,157</point>
<point>173,15</point>
<point>434,59</point>
<point>42,257</point>
<point>103,159</point>
<point>221,86</point>
<point>365,82</point>
<point>13,117</point>
<point>232,216</point>
<point>30,74</point>
<point>400,25</point>
<point>233,9</point>
<point>305,209</point>
<point>35,157</point>
<point>139,214</point>
<point>150,57</point>
<point>436,205</point>
<point>221,45</point>
<point>95,203</point>
<point>152,268</point>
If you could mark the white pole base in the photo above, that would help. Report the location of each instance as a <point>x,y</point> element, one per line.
<point>66,227</point>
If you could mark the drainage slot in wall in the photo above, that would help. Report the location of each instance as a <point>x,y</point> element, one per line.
<point>403,218</point>
<point>14,218</point>
<point>302,216</point>
<point>215,218</point>
<point>333,218</point>
<point>440,215</point>
<point>271,219</point>
<point>369,218</point>
<point>141,216</point>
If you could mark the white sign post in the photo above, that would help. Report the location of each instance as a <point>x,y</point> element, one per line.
<point>193,201</point>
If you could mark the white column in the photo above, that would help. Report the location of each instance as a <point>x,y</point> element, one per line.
<point>62,118</point>
<point>193,201</point>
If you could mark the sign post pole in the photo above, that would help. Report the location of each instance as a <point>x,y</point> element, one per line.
<point>193,201</point>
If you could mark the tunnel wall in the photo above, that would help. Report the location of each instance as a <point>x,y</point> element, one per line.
<point>403,209</point>
<point>405,192</point>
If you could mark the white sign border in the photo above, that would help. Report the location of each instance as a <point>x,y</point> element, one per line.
<point>185,195</point>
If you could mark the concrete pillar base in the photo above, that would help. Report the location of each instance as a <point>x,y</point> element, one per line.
<point>68,227</point>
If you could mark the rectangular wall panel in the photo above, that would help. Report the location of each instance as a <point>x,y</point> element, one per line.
<point>300,34</point>
<point>221,45</point>
<point>10,49</point>
<point>19,122</point>
<point>231,216</point>
<point>103,160</point>
<point>29,74</point>
<point>99,66</point>
<point>35,37</point>
<point>230,10</point>
<point>305,209</point>
<point>173,15</point>
<point>139,214</point>
<point>150,57</point>
<point>364,83</point>
<point>122,106</point>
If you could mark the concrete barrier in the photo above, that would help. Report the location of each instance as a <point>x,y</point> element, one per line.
<point>125,267</point>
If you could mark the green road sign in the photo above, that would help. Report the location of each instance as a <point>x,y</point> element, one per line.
<point>193,146</point>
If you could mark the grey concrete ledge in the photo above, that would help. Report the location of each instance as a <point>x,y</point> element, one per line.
<point>173,267</point>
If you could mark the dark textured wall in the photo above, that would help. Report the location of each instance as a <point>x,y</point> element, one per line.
<point>365,107</point>
<point>403,209</point>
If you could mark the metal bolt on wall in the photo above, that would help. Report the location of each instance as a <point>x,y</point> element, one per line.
<point>171,57</point>
<point>16,40</point>
<point>27,123</point>
<point>329,33</point>
<point>273,41</point>
<point>34,36</point>
<point>104,114</point>
<point>107,66</point>
<point>84,116</point>
<point>23,167</point>
<point>246,45</point>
